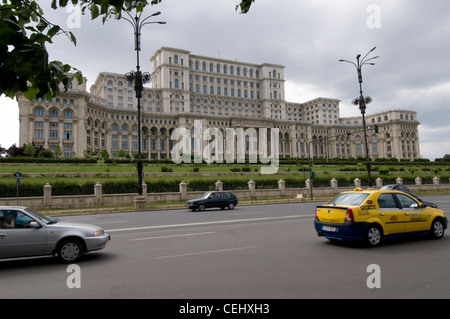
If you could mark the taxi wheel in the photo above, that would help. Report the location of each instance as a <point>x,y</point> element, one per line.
<point>437,229</point>
<point>374,235</point>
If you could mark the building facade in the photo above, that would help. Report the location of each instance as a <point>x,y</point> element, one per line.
<point>222,94</point>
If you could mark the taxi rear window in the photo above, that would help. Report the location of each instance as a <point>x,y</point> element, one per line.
<point>350,199</point>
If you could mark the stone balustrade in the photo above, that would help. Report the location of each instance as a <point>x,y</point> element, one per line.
<point>99,199</point>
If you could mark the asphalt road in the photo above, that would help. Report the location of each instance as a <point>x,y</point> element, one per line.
<point>261,251</point>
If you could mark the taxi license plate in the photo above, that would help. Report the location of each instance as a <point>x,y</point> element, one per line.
<point>329,228</point>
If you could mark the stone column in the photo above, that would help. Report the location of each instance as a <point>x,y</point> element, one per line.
<point>334,185</point>
<point>308,184</point>
<point>379,182</point>
<point>252,188</point>
<point>47,195</point>
<point>282,187</point>
<point>98,196</point>
<point>418,181</point>
<point>436,181</point>
<point>144,190</point>
<point>183,190</point>
<point>219,186</point>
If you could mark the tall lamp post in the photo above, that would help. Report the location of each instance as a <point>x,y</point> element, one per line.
<point>362,101</point>
<point>139,79</point>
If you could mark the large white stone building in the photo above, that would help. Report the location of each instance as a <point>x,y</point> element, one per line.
<point>221,93</point>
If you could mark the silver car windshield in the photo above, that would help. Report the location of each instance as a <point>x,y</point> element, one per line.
<point>45,219</point>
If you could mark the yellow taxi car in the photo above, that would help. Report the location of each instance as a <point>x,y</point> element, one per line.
<point>374,215</point>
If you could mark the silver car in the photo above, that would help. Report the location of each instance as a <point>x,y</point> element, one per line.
<point>25,233</point>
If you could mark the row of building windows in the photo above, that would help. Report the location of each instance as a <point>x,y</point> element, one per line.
<point>225,69</point>
<point>57,101</point>
<point>53,113</point>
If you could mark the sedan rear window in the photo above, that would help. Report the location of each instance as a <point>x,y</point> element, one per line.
<point>349,199</point>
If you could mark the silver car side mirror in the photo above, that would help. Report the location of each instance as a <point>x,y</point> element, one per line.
<point>34,225</point>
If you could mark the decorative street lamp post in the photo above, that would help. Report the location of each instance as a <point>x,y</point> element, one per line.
<point>139,79</point>
<point>362,101</point>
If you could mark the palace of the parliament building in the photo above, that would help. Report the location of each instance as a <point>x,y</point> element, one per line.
<point>222,94</point>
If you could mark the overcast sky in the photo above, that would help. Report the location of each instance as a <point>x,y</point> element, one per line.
<point>308,37</point>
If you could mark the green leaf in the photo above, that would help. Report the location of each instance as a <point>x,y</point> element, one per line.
<point>94,11</point>
<point>42,25</point>
<point>31,93</point>
<point>54,30</point>
<point>72,38</point>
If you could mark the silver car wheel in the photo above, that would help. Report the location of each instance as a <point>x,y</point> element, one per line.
<point>70,251</point>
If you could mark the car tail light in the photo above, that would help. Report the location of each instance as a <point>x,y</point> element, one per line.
<point>316,216</point>
<point>349,215</point>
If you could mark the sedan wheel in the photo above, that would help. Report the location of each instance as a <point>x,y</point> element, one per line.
<point>201,207</point>
<point>69,251</point>
<point>373,236</point>
<point>231,205</point>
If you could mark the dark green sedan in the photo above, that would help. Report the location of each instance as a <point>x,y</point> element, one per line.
<point>213,199</point>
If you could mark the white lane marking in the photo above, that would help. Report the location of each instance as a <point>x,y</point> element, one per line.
<point>172,236</point>
<point>206,252</point>
<point>210,223</point>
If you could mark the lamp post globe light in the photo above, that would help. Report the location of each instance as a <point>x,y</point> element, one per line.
<point>138,79</point>
<point>362,101</point>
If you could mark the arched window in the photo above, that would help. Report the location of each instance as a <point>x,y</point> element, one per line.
<point>39,112</point>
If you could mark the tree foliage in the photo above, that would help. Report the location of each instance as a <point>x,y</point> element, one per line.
<point>25,32</point>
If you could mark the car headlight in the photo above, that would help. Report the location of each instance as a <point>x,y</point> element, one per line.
<point>99,232</point>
